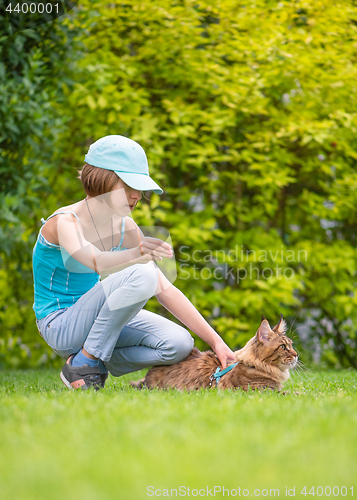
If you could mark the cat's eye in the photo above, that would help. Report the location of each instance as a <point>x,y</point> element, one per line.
<point>283,347</point>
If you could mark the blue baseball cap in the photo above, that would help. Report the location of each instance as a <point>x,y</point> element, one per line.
<point>126,158</point>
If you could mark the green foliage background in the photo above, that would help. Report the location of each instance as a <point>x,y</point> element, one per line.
<point>247,113</point>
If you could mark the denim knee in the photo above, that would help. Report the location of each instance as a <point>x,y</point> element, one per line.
<point>139,285</point>
<point>145,277</point>
<point>181,344</point>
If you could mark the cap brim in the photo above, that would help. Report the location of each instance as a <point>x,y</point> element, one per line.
<point>141,182</point>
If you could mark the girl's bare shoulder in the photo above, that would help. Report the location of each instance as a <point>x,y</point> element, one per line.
<point>130,223</point>
<point>69,208</point>
<point>49,229</point>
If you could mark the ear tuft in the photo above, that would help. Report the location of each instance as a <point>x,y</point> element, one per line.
<point>264,332</point>
<point>263,317</point>
<point>281,327</point>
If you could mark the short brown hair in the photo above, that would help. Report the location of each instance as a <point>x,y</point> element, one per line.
<point>97,181</point>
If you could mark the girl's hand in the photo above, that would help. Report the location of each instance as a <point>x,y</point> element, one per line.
<point>154,249</point>
<point>224,353</point>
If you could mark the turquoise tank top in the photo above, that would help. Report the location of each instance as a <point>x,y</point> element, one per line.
<point>59,279</point>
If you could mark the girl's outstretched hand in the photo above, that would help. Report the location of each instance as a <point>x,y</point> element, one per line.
<point>224,353</point>
<point>155,249</point>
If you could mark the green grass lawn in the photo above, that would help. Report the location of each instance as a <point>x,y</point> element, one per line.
<point>114,444</point>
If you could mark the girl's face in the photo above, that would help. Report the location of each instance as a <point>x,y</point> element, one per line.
<point>123,198</point>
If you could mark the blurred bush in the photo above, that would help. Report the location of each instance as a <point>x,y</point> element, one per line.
<point>35,65</point>
<point>247,113</point>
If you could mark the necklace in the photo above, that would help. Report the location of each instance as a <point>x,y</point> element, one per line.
<point>96,226</point>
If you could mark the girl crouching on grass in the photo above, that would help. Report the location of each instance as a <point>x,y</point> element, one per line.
<point>101,326</point>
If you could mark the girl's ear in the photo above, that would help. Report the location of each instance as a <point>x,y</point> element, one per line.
<point>281,327</point>
<point>264,332</point>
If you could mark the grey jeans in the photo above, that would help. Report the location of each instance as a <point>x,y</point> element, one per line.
<point>110,323</point>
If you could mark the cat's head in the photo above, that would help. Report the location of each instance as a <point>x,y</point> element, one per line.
<point>272,346</point>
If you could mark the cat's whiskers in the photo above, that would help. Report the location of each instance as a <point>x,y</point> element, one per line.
<point>302,366</point>
<point>301,370</point>
<point>293,325</point>
<point>291,335</point>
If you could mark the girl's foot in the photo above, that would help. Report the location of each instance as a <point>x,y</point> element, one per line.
<point>81,377</point>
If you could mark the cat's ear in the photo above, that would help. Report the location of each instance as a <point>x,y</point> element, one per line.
<point>264,332</point>
<point>281,327</point>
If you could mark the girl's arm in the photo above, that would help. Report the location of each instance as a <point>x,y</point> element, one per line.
<point>72,239</point>
<point>179,305</point>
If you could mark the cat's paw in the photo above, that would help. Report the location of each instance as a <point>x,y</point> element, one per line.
<point>138,384</point>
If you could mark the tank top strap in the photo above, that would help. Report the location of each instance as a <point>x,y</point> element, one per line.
<point>122,232</point>
<point>62,212</point>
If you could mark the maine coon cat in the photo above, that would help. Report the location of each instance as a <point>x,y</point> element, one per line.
<point>264,362</point>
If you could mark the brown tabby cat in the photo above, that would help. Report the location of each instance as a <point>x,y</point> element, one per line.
<point>264,362</point>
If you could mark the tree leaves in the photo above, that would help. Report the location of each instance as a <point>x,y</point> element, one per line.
<point>247,115</point>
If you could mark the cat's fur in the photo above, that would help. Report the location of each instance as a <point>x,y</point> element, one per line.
<point>262,363</point>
